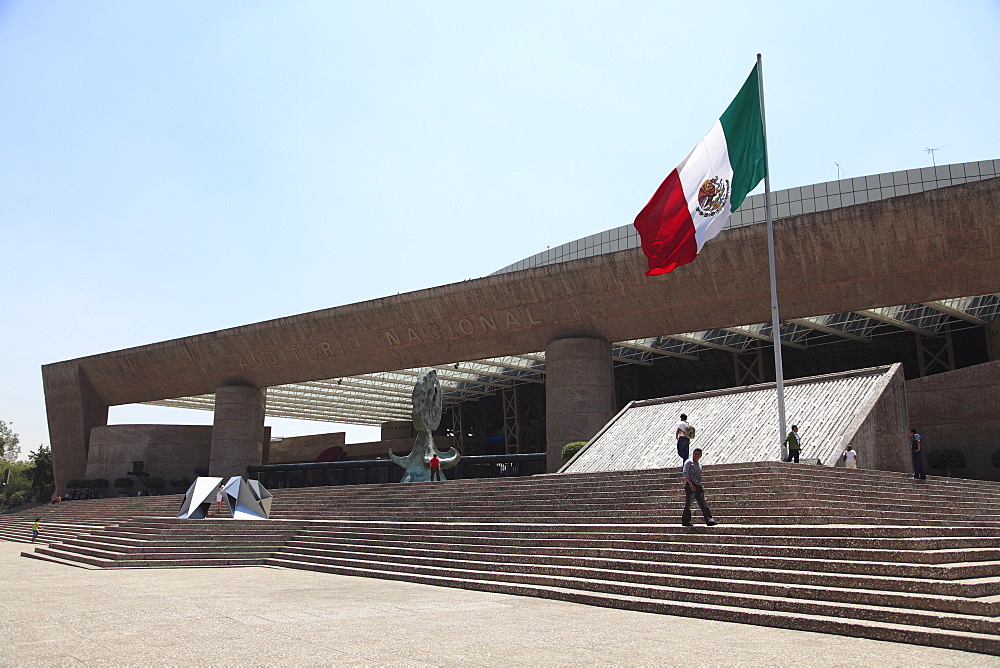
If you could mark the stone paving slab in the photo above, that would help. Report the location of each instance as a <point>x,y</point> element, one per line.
<point>52,615</point>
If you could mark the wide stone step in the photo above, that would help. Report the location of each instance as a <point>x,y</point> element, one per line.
<point>968,641</point>
<point>620,529</point>
<point>622,549</point>
<point>653,541</point>
<point>568,517</point>
<point>666,562</point>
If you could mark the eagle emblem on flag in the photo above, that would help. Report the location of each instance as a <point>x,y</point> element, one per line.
<point>712,196</point>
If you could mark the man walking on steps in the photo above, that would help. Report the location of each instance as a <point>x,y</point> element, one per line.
<point>794,444</point>
<point>693,489</point>
<point>683,441</point>
<point>916,454</point>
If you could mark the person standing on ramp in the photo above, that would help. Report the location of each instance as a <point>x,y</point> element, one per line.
<point>683,434</point>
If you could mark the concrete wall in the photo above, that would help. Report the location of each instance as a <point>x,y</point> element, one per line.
<point>959,409</point>
<point>879,433</point>
<point>168,450</point>
<point>300,449</point>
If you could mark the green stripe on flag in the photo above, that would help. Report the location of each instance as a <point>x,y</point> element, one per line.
<point>744,132</point>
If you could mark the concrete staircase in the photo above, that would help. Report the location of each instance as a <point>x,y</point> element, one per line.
<point>857,553</point>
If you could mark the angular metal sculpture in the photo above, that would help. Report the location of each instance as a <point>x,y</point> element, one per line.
<point>199,497</point>
<point>246,499</point>
<point>427,406</point>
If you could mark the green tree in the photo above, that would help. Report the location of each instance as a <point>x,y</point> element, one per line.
<point>10,448</point>
<point>42,482</point>
<point>18,491</point>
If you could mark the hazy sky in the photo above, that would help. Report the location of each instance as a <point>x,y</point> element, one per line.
<point>173,168</point>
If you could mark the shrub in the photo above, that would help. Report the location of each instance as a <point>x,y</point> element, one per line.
<point>571,449</point>
<point>75,483</point>
<point>123,483</point>
<point>84,483</point>
<point>99,483</point>
<point>155,483</point>
<point>180,482</point>
<point>996,459</point>
<point>946,458</point>
<point>200,471</point>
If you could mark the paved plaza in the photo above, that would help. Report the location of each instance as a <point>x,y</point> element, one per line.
<point>54,615</point>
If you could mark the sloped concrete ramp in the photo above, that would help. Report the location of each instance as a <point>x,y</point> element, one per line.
<point>865,408</point>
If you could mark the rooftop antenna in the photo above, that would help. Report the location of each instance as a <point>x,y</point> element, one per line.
<point>839,170</point>
<point>931,151</point>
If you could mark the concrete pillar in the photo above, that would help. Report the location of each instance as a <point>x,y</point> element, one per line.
<point>238,430</point>
<point>74,408</point>
<point>993,340</point>
<point>579,393</point>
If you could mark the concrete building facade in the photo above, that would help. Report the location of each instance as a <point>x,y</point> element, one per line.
<point>930,245</point>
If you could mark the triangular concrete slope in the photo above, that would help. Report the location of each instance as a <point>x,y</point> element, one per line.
<point>864,408</point>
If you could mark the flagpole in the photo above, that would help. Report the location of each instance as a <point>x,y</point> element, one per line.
<point>775,321</point>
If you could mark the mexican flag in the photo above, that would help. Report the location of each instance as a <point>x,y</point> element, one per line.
<point>692,205</point>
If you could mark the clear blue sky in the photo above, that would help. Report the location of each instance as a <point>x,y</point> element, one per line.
<point>172,168</point>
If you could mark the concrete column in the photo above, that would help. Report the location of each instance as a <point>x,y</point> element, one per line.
<point>993,340</point>
<point>238,430</point>
<point>74,408</point>
<point>579,393</point>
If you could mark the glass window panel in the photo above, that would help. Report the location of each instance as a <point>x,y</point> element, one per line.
<point>819,189</point>
<point>913,176</point>
<point>833,188</point>
<point>795,207</point>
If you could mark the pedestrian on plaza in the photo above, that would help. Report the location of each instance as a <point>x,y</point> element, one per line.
<point>36,529</point>
<point>850,458</point>
<point>917,455</point>
<point>794,444</point>
<point>694,490</point>
<point>218,496</point>
<point>435,464</point>
<point>683,436</point>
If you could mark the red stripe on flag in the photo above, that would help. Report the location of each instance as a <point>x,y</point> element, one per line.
<point>666,228</point>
